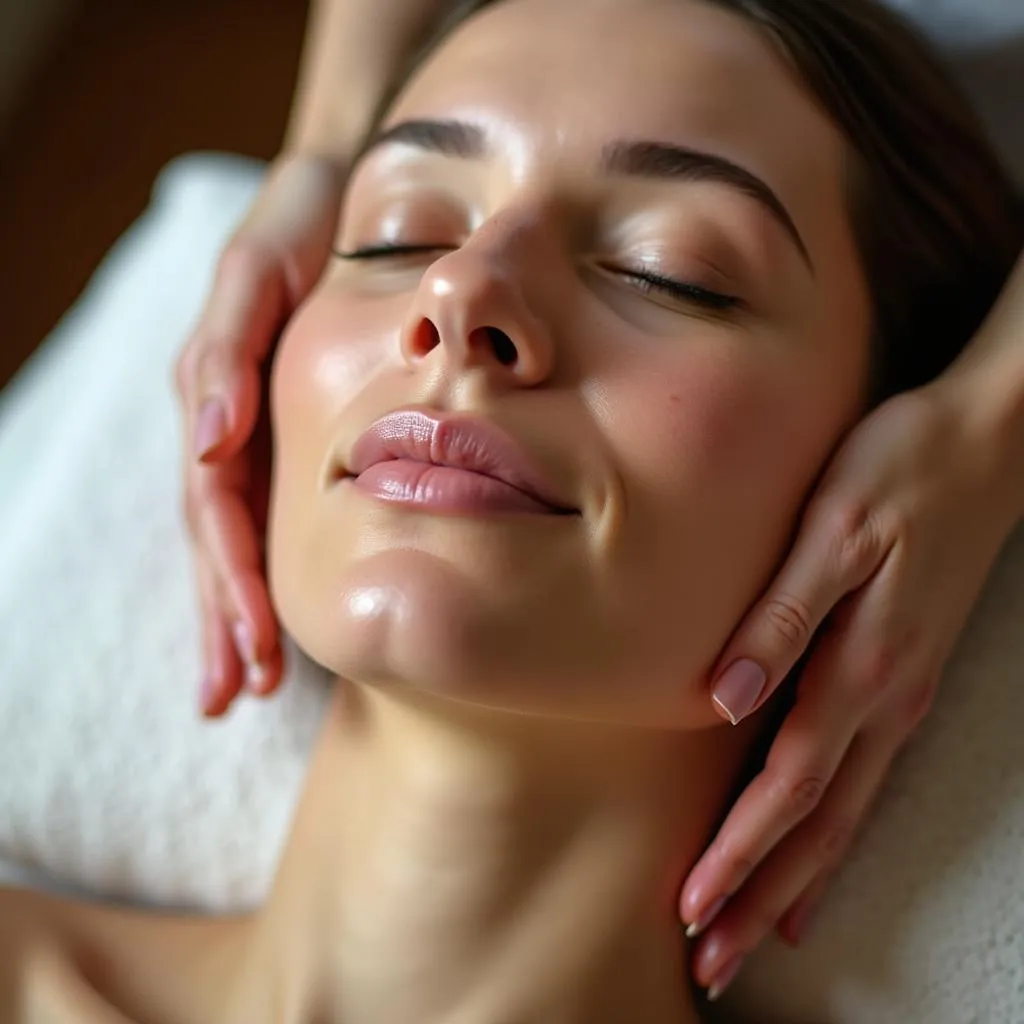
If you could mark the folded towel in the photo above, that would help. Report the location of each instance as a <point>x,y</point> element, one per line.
<point>107,779</point>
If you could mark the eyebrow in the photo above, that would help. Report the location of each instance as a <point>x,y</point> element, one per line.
<point>633,159</point>
<point>449,138</point>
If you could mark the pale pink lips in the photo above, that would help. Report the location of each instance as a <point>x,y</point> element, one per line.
<point>458,464</point>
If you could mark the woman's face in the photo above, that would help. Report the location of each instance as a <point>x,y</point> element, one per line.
<point>627,248</point>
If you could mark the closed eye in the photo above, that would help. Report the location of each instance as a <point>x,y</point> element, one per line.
<point>385,249</point>
<point>648,282</point>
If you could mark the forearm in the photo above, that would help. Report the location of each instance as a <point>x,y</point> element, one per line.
<point>350,57</point>
<point>993,367</point>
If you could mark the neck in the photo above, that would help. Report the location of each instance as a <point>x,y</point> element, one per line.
<point>453,864</point>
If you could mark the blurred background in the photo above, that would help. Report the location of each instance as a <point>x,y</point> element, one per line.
<point>95,97</point>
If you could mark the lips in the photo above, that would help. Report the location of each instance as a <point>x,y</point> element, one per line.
<point>451,463</point>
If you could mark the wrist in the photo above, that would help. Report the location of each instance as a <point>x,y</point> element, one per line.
<point>1008,439</point>
<point>988,379</point>
<point>329,166</point>
<point>326,132</point>
<point>990,398</point>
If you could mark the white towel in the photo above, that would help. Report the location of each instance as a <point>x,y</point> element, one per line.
<point>107,778</point>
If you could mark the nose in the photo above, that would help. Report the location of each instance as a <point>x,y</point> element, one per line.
<point>471,309</point>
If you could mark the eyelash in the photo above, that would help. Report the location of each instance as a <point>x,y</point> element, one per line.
<point>373,252</point>
<point>645,281</point>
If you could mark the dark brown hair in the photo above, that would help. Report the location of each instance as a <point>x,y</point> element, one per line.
<point>934,213</point>
<point>936,219</point>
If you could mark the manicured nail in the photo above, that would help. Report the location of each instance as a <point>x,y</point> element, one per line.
<point>207,692</point>
<point>211,427</point>
<point>738,688</point>
<point>710,913</point>
<point>244,642</point>
<point>725,977</point>
<point>256,678</point>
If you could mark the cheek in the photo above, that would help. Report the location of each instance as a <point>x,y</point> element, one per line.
<point>715,449</point>
<point>711,418</point>
<point>324,358</point>
<point>717,454</point>
<point>323,361</point>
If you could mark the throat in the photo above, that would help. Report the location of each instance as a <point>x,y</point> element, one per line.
<point>463,866</point>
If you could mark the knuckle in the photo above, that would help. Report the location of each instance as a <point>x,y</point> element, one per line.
<point>215,363</point>
<point>856,535</point>
<point>833,838</point>
<point>879,668</point>
<point>790,618</point>
<point>739,866</point>
<point>206,359</point>
<point>801,795</point>
<point>242,258</point>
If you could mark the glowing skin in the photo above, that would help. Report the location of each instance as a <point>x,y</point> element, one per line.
<point>495,866</point>
<point>450,861</point>
<point>686,437</point>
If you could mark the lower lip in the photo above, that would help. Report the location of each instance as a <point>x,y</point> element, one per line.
<point>444,489</point>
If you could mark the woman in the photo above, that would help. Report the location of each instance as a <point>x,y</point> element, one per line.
<point>541,433</point>
<point>935,469</point>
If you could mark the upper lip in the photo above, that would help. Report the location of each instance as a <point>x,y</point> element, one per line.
<point>457,441</point>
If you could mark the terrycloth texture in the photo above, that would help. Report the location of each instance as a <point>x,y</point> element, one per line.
<point>109,781</point>
<point>107,778</point>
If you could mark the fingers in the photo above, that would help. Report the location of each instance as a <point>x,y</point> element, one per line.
<point>222,678</point>
<point>219,372</point>
<point>219,380</point>
<point>806,857</point>
<point>858,661</point>
<point>266,269</point>
<point>800,767</point>
<point>794,924</point>
<point>232,551</point>
<point>837,550</point>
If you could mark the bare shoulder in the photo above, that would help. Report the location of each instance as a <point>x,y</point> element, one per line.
<point>77,961</point>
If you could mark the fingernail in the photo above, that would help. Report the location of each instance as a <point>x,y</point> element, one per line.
<point>207,692</point>
<point>244,641</point>
<point>710,913</point>
<point>738,688</point>
<point>725,977</point>
<point>256,677</point>
<point>211,427</point>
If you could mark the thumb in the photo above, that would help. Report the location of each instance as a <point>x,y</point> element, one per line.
<point>245,309</point>
<point>267,268</point>
<point>835,552</point>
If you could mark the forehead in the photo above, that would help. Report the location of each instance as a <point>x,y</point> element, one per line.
<point>567,76</point>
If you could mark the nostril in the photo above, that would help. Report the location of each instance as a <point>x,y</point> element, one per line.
<point>502,345</point>
<point>426,338</point>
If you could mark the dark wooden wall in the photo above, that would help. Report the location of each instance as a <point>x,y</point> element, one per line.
<point>128,85</point>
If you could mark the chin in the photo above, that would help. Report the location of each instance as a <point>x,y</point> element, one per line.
<point>398,616</point>
<point>411,619</point>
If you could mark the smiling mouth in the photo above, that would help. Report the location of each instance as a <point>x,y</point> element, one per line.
<point>448,489</point>
<point>460,465</point>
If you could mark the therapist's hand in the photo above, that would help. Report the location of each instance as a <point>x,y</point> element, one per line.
<point>265,271</point>
<point>891,555</point>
